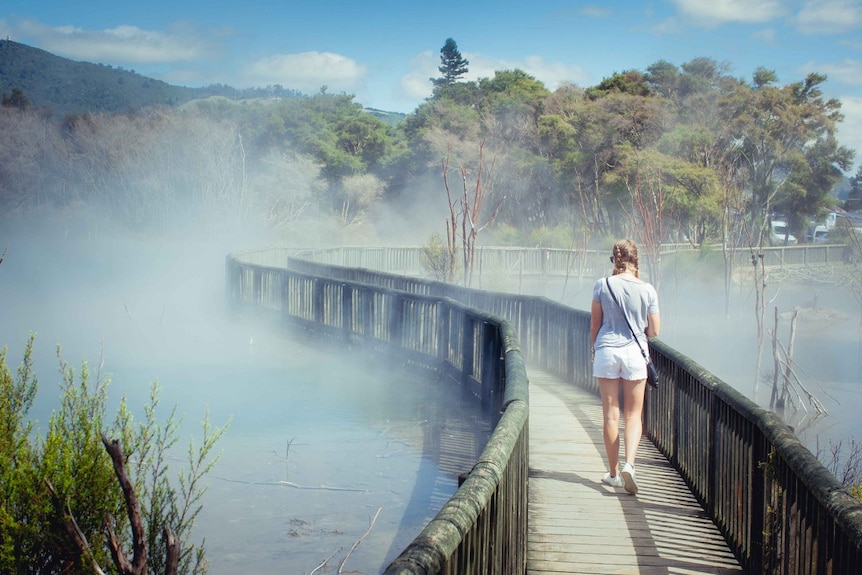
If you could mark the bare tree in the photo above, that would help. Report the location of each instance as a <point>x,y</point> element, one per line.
<point>788,390</point>
<point>469,208</point>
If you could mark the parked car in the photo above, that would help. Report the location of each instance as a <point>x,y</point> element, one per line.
<point>779,233</point>
<point>817,235</point>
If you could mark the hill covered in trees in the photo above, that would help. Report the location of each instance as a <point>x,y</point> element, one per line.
<point>65,86</point>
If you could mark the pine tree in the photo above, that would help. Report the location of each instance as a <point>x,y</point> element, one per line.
<point>452,64</point>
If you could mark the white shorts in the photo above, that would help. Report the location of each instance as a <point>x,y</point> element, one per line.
<point>620,362</point>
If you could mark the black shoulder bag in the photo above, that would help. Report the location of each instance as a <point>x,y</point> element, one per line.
<point>652,374</point>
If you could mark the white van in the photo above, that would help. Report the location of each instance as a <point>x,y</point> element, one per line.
<point>817,235</point>
<point>779,233</point>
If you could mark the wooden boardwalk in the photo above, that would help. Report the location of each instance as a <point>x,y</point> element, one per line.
<point>579,525</point>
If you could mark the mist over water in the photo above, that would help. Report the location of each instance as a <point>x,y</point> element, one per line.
<point>318,441</point>
<point>316,445</point>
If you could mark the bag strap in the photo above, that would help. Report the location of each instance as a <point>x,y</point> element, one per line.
<point>626,317</point>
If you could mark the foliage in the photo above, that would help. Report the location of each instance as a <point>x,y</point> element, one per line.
<point>16,99</point>
<point>18,508</point>
<point>72,460</point>
<point>64,86</point>
<point>731,153</point>
<point>631,82</point>
<point>437,261</point>
<point>452,65</point>
<point>844,461</point>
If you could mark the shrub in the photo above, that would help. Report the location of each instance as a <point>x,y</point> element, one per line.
<point>65,481</point>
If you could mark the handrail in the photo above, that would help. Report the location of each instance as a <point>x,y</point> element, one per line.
<point>778,508</point>
<point>482,529</point>
<point>532,261</point>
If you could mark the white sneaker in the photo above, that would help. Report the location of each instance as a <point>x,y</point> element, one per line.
<point>628,475</point>
<point>615,481</point>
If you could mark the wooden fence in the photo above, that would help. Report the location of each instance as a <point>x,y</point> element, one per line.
<point>512,261</point>
<point>779,509</point>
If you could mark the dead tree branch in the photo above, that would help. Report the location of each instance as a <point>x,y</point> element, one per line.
<point>74,530</point>
<point>324,562</point>
<point>138,565</point>
<point>358,541</point>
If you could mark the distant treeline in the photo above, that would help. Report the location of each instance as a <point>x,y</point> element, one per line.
<point>64,86</point>
<point>672,153</point>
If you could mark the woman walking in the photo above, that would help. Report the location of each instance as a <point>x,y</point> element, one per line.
<point>618,363</point>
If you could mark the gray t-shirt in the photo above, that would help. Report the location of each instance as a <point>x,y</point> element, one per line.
<point>639,298</point>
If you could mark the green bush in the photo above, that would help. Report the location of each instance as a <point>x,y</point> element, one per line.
<point>436,260</point>
<point>46,482</point>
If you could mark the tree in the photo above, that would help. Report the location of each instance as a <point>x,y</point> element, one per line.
<point>632,82</point>
<point>452,65</point>
<point>61,508</point>
<point>854,198</point>
<point>16,100</point>
<point>786,136</point>
<point>470,209</point>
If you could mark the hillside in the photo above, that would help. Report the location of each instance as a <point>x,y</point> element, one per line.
<point>68,87</point>
<point>65,86</point>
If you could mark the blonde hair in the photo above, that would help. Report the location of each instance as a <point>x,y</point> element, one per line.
<point>626,258</point>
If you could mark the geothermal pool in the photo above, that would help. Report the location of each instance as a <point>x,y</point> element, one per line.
<point>323,449</point>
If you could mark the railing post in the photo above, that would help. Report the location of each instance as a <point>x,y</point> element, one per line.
<point>758,505</point>
<point>491,363</point>
<point>467,341</point>
<point>443,320</point>
<point>257,286</point>
<point>710,504</point>
<point>318,300</point>
<point>571,356</point>
<point>368,314</point>
<point>396,319</point>
<point>347,311</point>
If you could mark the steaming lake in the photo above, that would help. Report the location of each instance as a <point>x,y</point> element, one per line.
<point>316,445</point>
<point>319,444</point>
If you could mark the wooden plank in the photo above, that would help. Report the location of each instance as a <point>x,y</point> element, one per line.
<point>579,525</point>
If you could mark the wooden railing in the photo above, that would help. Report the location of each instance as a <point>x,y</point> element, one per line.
<point>482,529</point>
<point>534,261</point>
<point>779,509</point>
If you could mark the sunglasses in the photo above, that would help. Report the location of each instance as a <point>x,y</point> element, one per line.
<point>612,259</point>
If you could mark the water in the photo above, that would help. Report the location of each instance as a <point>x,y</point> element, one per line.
<point>319,444</point>
<point>316,446</point>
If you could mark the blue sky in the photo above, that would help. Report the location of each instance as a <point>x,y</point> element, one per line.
<point>384,52</point>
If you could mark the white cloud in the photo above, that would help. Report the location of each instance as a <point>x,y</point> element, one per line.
<point>416,84</point>
<point>596,11</point>
<point>829,16</point>
<point>668,27</point>
<point>551,74</point>
<point>121,45</point>
<point>307,72</point>
<point>766,36</point>
<point>716,12</point>
<point>847,71</point>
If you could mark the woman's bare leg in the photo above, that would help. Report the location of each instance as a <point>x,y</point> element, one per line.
<point>610,390</point>
<point>633,404</point>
